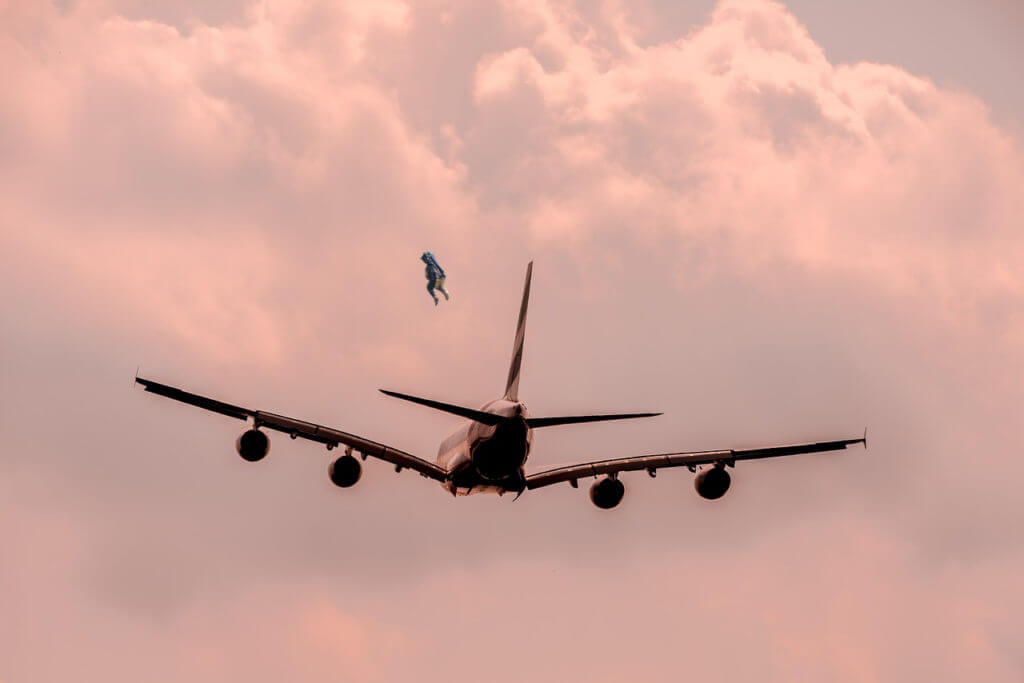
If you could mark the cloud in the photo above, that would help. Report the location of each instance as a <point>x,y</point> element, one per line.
<point>727,227</point>
<point>744,129</point>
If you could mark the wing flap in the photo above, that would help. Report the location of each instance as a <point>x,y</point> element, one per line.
<point>300,429</point>
<point>692,459</point>
<point>329,435</point>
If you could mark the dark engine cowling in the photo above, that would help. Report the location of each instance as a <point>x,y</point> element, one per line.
<point>252,445</point>
<point>503,453</point>
<point>712,483</point>
<point>606,493</point>
<point>345,471</point>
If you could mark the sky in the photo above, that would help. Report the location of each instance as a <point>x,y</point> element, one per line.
<point>774,222</point>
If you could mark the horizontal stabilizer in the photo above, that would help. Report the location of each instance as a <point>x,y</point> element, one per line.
<point>469,413</point>
<point>535,422</point>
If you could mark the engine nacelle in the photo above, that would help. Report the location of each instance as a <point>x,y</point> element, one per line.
<point>713,482</point>
<point>345,471</point>
<point>252,445</point>
<point>606,493</point>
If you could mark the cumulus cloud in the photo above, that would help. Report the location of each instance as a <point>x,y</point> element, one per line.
<point>728,227</point>
<point>743,128</point>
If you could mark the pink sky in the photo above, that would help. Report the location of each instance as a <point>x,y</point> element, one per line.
<point>729,225</point>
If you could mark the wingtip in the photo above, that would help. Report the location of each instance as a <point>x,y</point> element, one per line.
<point>864,439</point>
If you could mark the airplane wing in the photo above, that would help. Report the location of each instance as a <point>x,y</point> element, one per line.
<point>555,475</point>
<point>300,429</point>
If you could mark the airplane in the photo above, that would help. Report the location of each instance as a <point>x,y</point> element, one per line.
<point>488,453</point>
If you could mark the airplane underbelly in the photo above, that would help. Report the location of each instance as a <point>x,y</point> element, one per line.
<point>469,482</point>
<point>503,453</point>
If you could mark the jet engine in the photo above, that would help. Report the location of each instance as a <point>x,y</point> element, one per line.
<point>252,445</point>
<point>345,471</point>
<point>606,493</point>
<point>713,482</point>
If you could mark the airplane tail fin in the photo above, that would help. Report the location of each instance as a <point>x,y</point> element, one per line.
<point>512,385</point>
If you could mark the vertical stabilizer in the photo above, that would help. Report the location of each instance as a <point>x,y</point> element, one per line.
<point>512,386</point>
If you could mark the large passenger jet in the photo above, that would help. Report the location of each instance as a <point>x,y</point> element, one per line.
<point>488,452</point>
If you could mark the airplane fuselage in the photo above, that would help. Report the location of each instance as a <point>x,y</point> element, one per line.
<point>488,458</point>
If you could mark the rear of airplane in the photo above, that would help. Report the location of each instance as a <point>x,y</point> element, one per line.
<point>495,416</point>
